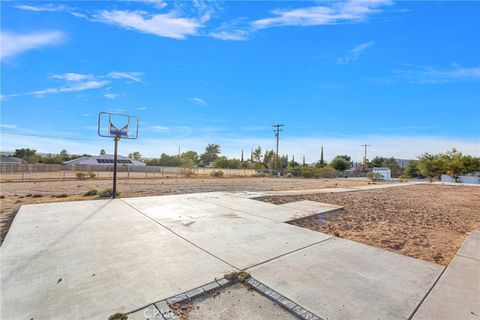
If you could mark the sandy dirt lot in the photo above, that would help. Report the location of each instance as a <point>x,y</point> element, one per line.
<point>15,194</point>
<point>428,222</point>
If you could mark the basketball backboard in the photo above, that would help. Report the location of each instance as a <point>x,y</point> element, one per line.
<point>114,125</point>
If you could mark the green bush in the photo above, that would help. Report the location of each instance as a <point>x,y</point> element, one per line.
<point>91,192</point>
<point>81,176</point>
<point>325,172</point>
<point>92,175</point>
<point>118,316</point>
<point>374,176</point>
<point>307,172</point>
<point>107,193</point>
<point>217,173</point>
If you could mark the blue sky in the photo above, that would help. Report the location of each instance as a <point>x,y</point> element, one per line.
<point>401,76</point>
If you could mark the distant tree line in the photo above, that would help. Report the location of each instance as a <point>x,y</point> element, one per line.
<point>31,156</point>
<point>453,162</point>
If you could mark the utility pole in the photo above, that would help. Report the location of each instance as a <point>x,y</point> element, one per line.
<point>365,156</point>
<point>277,129</point>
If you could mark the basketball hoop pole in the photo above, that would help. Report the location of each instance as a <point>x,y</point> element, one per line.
<point>117,132</point>
<point>114,189</point>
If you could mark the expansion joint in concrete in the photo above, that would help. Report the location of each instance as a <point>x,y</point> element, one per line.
<point>183,238</point>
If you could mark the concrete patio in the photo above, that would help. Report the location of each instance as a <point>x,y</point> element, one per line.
<point>90,259</point>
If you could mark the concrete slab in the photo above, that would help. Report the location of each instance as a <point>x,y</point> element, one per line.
<point>311,207</point>
<point>457,294</point>
<point>341,279</point>
<point>240,239</point>
<point>257,208</point>
<point>471,246</point>
<point>90,259</point>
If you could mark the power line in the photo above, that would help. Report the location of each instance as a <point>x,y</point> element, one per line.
<point>277,129</point>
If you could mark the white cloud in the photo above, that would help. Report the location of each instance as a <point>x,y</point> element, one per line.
<point>14,43</point>
<point>334,13</point>
<point>8,126</point>
<point>428,74</point>
<point>134,76</point>
<point>77,86</point>
<point>165,25</point>
<point>79,82</point>
<point>72,76</point>
<point>142,108</point>
<point>160,128</point>
<point>199,101</point>
<point>110,95</point>
<point>157,4</point>
<point>39,8</point>
<point>354,53</point>
<point>230,34</point>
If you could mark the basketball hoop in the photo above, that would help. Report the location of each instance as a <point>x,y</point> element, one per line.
<point>117,126</point>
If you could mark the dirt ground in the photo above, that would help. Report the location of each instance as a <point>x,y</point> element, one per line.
<point>15,194</point>
<point>428,222</point>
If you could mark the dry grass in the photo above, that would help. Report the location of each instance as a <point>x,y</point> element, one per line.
<point>428,222</point>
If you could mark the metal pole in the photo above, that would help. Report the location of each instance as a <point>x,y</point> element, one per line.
<point>114,189</point>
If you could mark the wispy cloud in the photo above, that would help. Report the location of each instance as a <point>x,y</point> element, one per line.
<point>198,100</point>
<point>142,108</point>
<point>8,126</point>
<point>429,74</point>
<point>336,12</point>
<point>231,33</point>
<point>14,43</point>
<point>159,128</point>
<point>50,7</point>
<point>134,76</point>
<point>165,24</point>
<point>355,53</point>
<point>110,95</point>
<point>74,82</point>
<point>157,4</point>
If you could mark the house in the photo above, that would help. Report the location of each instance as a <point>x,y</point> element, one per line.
<point>104,160</point>
<point>10,159</point>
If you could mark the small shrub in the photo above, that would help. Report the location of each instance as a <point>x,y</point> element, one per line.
<point>107,193</point>
<point>62,195</point>
<point>307,172</point>
<point>81,176</point>
<point>374,176</point>
<point>217,173</point>
<point>325,172</point>
<point>118,316</point>
<point>260,174</point>
<point>91,192</point>
<point>92,175</point>
<point>187,169</point>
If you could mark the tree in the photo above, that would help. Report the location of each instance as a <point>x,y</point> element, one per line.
<point>210,155</point>
<point>24,153</point>
<point>321,163</point>
<point>224,162</point>
<point>411,170</point>
<point>102,152</point>
<point>135,156</point>
<point>341,163</point>
<point>189,155</point>
<point>257,155</point>
<point>241,158</point>
<point>64,154</point>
